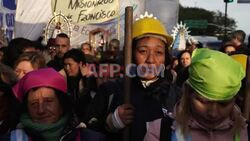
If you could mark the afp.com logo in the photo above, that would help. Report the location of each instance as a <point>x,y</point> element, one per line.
<point>9,4</point>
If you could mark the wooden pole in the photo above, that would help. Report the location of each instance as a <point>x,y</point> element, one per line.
<point>246,111</point>
<point>127,60</point>
<point>128,50</point>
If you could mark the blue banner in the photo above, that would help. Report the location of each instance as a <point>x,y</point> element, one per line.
<point>9,4</point>
<point>7,17</point>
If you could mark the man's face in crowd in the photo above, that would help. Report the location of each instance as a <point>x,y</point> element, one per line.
<point>62,46</point>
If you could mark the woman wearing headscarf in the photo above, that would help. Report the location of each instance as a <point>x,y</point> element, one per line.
<point>207,109</point>
<point>46,110</point>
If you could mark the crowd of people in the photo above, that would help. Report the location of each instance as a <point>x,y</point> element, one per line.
<point>53,93</point>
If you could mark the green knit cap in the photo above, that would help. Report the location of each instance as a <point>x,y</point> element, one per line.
<point>215,75</point>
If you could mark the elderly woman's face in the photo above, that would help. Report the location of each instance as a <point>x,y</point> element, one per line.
<point>150,53</point>
<point>44,106</point>
<point>210,113</point>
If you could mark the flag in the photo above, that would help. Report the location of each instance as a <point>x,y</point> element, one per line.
<point>31,18</point>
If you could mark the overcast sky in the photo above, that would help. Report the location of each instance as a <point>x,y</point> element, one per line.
<point>240,12</point>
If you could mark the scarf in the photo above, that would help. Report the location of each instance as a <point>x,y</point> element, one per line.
<point>50,132</point>
<point>147,83</point>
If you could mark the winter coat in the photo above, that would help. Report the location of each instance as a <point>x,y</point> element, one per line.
<point>150,103</point>
<point>56,63</point>
<point>222,132</point>
<point>70,133</point>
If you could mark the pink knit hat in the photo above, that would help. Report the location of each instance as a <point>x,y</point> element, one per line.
<point>46,77</point>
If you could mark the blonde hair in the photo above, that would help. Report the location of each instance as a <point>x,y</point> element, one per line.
<point>183,113</point>
<point>37,60</point>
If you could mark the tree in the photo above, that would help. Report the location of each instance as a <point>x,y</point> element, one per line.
<point>215,21</point>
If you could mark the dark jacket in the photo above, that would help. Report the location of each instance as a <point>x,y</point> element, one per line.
<point>149,103</point>
<point>9,108</point>
<point>81,96</point>
<point>70,133</point>
<point>56,63</point>
<point>243,49</point>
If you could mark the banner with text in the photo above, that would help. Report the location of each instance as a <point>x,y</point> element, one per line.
<point>87,11</point>
<point>7,17</point>
<point>165,10</point>
<point>31,17</point>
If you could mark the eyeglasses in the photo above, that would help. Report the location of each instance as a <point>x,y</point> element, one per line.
<point>52,48</point>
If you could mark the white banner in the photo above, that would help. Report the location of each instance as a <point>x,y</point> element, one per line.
<point>33,15</point>
<point>87,11</point>
<point>165,10</point>
<point>7,17</point>
<point>31,18</point>
<point>81,33</point>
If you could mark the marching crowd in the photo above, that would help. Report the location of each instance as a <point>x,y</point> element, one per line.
<point>50,93</point>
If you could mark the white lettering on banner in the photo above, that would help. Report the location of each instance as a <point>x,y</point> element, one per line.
<point>10,18</point>
<point>9,33</point>
<point>7,21</point>
<point>7,17</point>
<point>88,11</point>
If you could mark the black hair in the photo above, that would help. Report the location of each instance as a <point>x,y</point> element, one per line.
<point>225,45</point>
<point>15,48</point>
<point>76,54</point>
<point>239,34</point>
<point>62,35</point>
<point>7,80</point>
<point>114,43</point>
<point>3,49</point>
<point>182,52</point>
